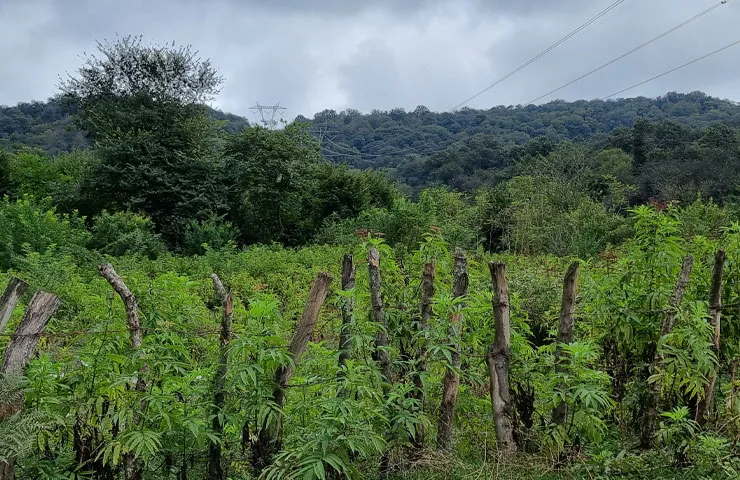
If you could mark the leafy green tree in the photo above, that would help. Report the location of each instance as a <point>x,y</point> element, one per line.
<point>125,233</point>
<point>267,182</point>
<point>142,107</point>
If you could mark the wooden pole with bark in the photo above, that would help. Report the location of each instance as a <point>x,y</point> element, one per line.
<point>565,333</point>
<point>380,350</point>
<point>348,306</point>
<point>715,310</point>
<point>498,357</point>
<point>269,439</point>
<point>215,468</point>
<point>132,466</point>
<point>452,379</point>
<point>427,300</point>
<point>13,293</point>
<point>650,415</point>
<point>19,352</point>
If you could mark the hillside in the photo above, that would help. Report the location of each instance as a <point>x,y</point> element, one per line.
<point>379,138</point>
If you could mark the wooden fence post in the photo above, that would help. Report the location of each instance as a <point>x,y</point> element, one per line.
<point>452,379</point>
<point>715,311</point>
<point>565,333</point>
<point>19,352</point>
<point>132,466</point>
<point>380,352</point>
<point>13,293</point>
<point>348,306</point>
<point>215,468</point>
<point>269,439</point>
<point>650,415</point>
<point>498,357</point>
<point>427,300</point>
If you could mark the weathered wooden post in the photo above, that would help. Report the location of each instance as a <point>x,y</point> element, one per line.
<point>650,414</point>
<point>19,353</point>
<point>380,351</point>
<point>715,311</point>
<point>133,467</point>
<point>269,439</point>
<point>565,333</point>
<point>498,357</point>
<point>13,293</point>
<point>215,468</point>
<point>427,299</point>
<point>452,379</point>
<point>348,306</point>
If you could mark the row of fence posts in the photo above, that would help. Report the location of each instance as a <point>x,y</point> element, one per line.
<point>267,441</point>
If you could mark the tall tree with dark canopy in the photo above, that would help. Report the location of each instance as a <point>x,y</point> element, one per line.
<point>142,105</point>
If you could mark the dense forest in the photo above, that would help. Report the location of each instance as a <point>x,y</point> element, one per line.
<point>522,292</point>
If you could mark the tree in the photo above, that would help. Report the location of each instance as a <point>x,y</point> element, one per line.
<point>142,107</point>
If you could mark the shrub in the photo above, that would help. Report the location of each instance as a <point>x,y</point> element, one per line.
<point>213,233</point>
<point>125,233</point>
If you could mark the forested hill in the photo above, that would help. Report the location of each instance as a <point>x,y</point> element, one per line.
<point>380,138</point>
<point>46,125</point>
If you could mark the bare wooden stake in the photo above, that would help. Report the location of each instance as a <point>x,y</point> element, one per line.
<point>215,468</point>
<point>348,306</point>
<point>13,293</point>
<point>715,309</point>
<point>427,301</point>
<point>650,414</point>
<point>269,439</point>
<point>133,467</point>
<point>565,333</point>
<point>452,379</point>
<point>498,357</point>
<point>380,352</point>
<point>19,353</point>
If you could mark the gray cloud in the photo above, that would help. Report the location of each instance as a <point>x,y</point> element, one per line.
<point>383,54</point>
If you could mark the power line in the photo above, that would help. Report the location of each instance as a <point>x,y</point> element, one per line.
<point>542,53</point>
<point>729,45</point>
<point>630,52</point>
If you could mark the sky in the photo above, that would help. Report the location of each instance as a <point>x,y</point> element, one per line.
<point>312,55</point>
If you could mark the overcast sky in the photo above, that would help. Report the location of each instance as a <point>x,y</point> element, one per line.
<point>310,55</point>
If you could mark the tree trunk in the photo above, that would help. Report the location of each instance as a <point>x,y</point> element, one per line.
<point>380,352</point>
<point>348,306</point>
<point>427,298</point>
<point>715,309</point>
<point>565,334</point>
<point>650,415</point>
<point>215,468</point>
<point>452,379</point>
<point>19,352</point>
<point>498,357</point>
<point>269,439</point>
<point>132,466</point>
<point>13,293</point>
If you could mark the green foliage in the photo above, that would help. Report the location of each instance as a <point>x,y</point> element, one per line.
<point>214,233</point>
<point>125,233</point>
<point>28,225</point>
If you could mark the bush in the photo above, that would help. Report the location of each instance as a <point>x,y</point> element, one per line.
<point>125,233</point>
<point>214,233</point>
<point>29,225</point>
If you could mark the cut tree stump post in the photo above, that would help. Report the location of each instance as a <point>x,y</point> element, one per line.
<point>133,468</point>
<point>565,334</point>
<point>13,293</point>
<point>452,378</point>
<point>427,301</point>
<point>380,351</point>
<point>498,357</point>
<point>348,306</point>
<point>269,439</point>
<point>715,311</point>
<point>650,415</point>
<point>19,352</point>
<point>215,467</point>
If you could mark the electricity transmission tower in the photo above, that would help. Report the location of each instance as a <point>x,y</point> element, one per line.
<point>268,113</point>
